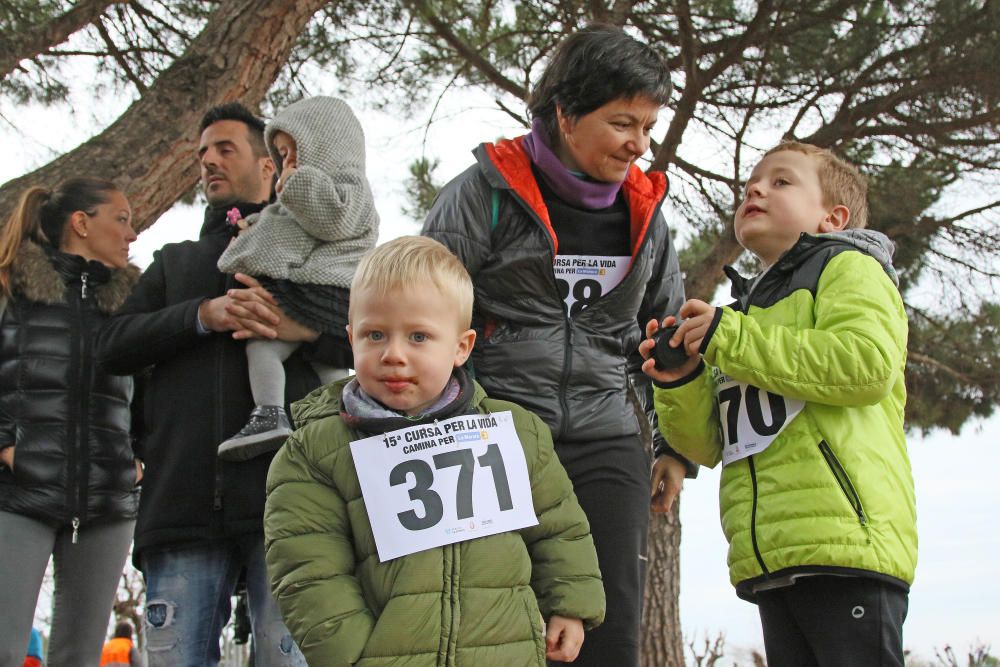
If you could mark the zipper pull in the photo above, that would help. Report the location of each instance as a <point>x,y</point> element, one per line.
<point>76,529</point>
<point>83,285</point>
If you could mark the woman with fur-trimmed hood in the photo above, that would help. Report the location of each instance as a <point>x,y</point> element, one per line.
<point>303,248</point>
<point>68,472</point>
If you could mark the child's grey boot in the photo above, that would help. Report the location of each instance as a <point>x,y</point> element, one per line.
<point>264,433</point>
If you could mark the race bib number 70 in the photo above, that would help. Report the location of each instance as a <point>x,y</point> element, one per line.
<point>751,417</point>
<point>446,482</point>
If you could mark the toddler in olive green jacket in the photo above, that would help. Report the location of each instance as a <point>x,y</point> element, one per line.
<point>351,595</point>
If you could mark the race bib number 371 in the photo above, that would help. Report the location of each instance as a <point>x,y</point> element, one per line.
<point>446,482</point>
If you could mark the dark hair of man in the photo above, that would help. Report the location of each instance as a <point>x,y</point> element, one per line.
<point>238,112</point>
<point>592,67</point>
<point>123,630</point>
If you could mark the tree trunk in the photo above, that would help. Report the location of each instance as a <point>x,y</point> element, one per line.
<point>150,150</point>
<point>38,39</point>
<point>662,644</point>
<point>702,282</point>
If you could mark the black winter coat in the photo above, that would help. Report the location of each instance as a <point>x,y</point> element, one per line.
<point>195,394</point>
<point>68,420</point>
<point>575,373</point>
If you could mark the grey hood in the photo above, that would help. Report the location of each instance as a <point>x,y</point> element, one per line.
<point>327,134</point>
<point>871,243</point>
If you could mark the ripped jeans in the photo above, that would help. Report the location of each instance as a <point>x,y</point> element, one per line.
<point>188,602</point>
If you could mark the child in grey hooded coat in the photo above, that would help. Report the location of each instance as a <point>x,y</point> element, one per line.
<point>303,248</point>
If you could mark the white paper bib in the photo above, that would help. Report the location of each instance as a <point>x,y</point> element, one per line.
<point>442,483</point>
<point>583,279</point>
<point>750,418</point>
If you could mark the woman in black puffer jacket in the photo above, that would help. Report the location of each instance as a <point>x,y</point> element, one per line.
<point>68,474</point>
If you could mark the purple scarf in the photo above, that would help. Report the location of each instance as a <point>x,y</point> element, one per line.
<point>357,403</point>
<point>572,187</point>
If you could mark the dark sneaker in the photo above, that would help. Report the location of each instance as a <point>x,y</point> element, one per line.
<point>265,432</point>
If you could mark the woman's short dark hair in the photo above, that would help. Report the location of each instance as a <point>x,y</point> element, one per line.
<point>592,67</point>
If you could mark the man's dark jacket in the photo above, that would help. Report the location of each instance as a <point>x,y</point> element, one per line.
<point>195,394</point>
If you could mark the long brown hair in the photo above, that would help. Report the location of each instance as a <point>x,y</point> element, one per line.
<point>41,215</point>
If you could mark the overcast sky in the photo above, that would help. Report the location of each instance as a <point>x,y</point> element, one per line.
<point>955,597</point>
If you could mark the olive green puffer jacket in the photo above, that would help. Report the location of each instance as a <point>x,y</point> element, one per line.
<point>833,493</point>
<point>474,603</point>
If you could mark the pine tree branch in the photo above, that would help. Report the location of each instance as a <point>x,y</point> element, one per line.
<point>119,57</point>
<point>36,40</point>
<point>696,80</point>
<point>135,50</point>
<point>927,226</point>
<point>944,368</point>
<point>697,171</point>
<point>399,50</point>
<point>476,59</point>
<point>864,119</point>
<point>146,17</point>
<point>519,118</point>
<point>620,11</point>
<point>149,150</point>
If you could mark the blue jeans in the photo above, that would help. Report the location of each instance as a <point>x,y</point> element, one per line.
<point>188,602</point>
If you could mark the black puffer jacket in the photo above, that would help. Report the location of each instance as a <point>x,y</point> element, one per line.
<point>575,373</point>
<point>68,420</point>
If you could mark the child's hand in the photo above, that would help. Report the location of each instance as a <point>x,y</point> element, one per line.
<point>646,350</point>
<point>237,221</point>
<point>698,317</point>
<point>7,456</point>
<point>286,173</point>
<point>563,638</point>
<point>256,314</point>
<point>666,480</point>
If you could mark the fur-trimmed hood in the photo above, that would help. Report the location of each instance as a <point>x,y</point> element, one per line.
<point>35,276</point>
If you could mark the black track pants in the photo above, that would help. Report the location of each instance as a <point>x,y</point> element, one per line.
<point>830,621</point>
<point>611,481</point>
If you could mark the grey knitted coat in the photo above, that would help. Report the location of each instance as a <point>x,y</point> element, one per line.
<point>324,219</point>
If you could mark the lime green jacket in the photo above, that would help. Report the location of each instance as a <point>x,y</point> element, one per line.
<point>474,603</point>
<point>833,492</point>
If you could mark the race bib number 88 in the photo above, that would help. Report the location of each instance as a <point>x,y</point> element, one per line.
<point>583,279</point>
<point>442,483</point>
<point>751,417</point>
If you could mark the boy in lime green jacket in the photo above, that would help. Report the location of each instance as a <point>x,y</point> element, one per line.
<point>411,520</point>
<point>797,388</point>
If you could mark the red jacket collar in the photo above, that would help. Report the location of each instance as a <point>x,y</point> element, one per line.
<point>643,191</point>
